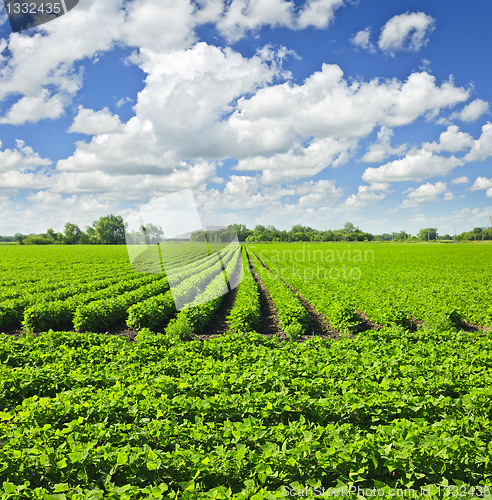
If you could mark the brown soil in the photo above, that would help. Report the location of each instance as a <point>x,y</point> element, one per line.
<point>270,324</point>
<point>321,327</point>
<point>220,325</point>
<point>367,323</point>
<point>472,328</point>
<point>416,322</point>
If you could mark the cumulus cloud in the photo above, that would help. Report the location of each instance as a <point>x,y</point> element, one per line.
<point>483,184</point>
<point>318,193</point>
<point>21,159</point>
<point>92,122</point>
<point>362,39</point>
<point>318,13</point>
<point>248,15</point>
<point>162,25</point>
<point>409,31</point>
<point>181,113</point>
<point>380,150</point>
<point>325,105</point>
<point>461,180</point>
<point>22,169</point>
<point>35,108</point>
<point>452,140</point>
<point>472,111</point>
<point>242,192</point>
<point>45,209</point>
<point>426,193</point>
<point>366,196</point>
<point>40,72</point>
<point>299,162</point>
<point>134,186</point>
<point>416,165</point>
<point>482,147</point>
<point>207,103</point>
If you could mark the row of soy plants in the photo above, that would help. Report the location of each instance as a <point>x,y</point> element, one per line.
<point>440,285</point>
<point>243,415</point>
<point>98,289</point>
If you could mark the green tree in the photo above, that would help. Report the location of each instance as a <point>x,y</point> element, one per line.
<point>51,235</point>
<point>110,230</point>
<point>72,234</point>
<point>349,228</point>
<point>428,233</point>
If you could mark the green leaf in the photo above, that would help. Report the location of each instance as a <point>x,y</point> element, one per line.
<point>122,458</point>
<point>9,487</point>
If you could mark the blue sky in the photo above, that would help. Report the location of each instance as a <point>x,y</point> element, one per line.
<point>272,111</point>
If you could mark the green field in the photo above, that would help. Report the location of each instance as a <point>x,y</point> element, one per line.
<point>340,366</point>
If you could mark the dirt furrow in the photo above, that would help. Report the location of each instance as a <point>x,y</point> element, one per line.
<point>220,325</point>
<point>321,326</point>
<point>269,324</point>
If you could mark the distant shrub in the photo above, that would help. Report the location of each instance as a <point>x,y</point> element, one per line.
<point>36,240</point>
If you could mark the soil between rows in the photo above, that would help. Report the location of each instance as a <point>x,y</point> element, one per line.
<point>270,323</point>
<point>321,327</point>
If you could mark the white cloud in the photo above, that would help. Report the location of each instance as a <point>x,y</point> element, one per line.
<point>380,150</point>
<point>134,185</point>
<point>194,108</point>
<point>327,106</point>
<point>426,193</point>
<point>163,25</point>
<point>366,196</point>
<point>472,111</point>
<point>299,162</point>
<point>92,122</point>
<point>318,193</point>
<point>461,180</point>
<point>35,108</point>
<point>409,31</point>
<point>449,196</point>
<point>483,184</point>
<point>482,147</point>
<point>248,15</point>
<point>15,181</point>
<point>20,159</point>
<point>40,71</point>
<point>181,113</point>
<point>415,165</point>
<point>44,209</point>
<point>244,193</point>
<point>318,13</point>
<point>362,39</point>
<point>451,140</point>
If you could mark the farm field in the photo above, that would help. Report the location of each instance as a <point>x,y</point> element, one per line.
<point>339,366</point>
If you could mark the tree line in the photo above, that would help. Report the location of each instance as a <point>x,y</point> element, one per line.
<point>110,230</point>
<point>107,230</point>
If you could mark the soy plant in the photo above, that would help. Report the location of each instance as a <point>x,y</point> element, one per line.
<point>246,313</point>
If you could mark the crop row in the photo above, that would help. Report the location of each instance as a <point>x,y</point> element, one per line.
<point>293,316</point>
<point>392,285</point>
<point>44,315</point>
<point>155,312</point>
<point>12,311</point>
<point>201,310</point>
<point>246,313</point>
